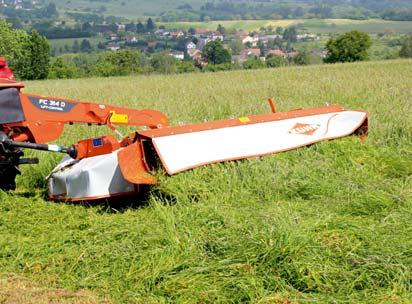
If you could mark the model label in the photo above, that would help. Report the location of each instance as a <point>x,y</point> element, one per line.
<point>52,105</point>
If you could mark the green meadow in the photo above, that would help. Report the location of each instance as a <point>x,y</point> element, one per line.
<point>329,223</point>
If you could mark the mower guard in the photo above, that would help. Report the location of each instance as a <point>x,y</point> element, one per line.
<point>185,147</point>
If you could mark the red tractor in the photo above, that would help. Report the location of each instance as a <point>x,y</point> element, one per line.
<point>5,71</point>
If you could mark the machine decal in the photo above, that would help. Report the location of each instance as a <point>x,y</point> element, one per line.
<point>52,105</point>
<point>304,129</point>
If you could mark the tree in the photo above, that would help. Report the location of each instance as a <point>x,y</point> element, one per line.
<point>215,53</point>
<point>51,10</point>
<point>75,46</point>
<point>140,28</point>
<point>150,26</point>
<point>85,46</point>
<point>221,29</point>
<point>290,34</point>
<point>130,27</point>
<point>12,45</point>
<point>406,50</point>
<point>36,61</point>
<point>86,27</point>
<point>348,47</point>
<point>236,46</point>
<point>191,30</point>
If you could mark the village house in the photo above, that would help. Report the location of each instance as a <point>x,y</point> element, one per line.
<point>190,46</point>
<point>113,37</point>
<point>252,40</point>
<point>113,47</point>
<point>130,39</point>
<point>241,34</point>
<point>276,53</point>
<point>162,32</point>
<point>176,34</point>
<point>307,37</point>
<point>152,44</point>
<point>202,42</point>
<point>213,36</point>
<point>177,54</point>
<point>252,52</point>
<point>201,31</point>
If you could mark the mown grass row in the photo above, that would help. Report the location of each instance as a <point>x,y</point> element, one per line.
<point>326,223</point>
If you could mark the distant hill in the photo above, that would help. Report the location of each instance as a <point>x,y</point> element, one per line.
<point>198,10</point>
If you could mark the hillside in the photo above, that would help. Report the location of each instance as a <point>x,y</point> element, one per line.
<point>239,9</point>
<point>326,223</point>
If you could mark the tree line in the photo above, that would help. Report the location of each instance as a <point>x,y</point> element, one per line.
<point>28,55</point>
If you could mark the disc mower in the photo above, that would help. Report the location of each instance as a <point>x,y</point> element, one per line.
<point>104,167</point>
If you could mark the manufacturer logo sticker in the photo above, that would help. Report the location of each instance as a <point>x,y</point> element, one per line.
<point>304,129</point>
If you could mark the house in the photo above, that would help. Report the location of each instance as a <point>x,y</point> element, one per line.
<point>130,39</point>
<point>241,34</point>
<point>176,34</point>
<point>322,53</point>
<point>162,32</point>
<point>214,36</point>
<point>201,31</point>
<point>202,42</point>
<point>194,52</point>
<point>307,37</point>
<point>120,27</point>
<point>276,53</point>
<point>152,44</point>
<point>250,52</point>
<point>178,55</point>
<point>105,28</point>
<point>113,37</point>
<point>113,47</point>
<point>252,40</point>
<point>190,46</point>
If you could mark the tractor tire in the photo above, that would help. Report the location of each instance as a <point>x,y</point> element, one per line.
<point>8,177</point>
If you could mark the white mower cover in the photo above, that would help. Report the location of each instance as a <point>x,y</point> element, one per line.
<point>91,178</point>
<point>189,150</point>
<point>100,176</point>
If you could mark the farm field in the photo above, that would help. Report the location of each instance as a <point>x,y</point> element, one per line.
<point>322,26</point>
<point>329,223</point>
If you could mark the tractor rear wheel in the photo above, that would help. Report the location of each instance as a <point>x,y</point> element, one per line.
<point>8,177</point>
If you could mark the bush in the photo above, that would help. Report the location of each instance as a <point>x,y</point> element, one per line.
<point>123,62</point>
<point>164,63</point>
<point>302,58</point>
<point>253,63</point>
<point>406,50</point>
<point>60,69</point>
<point>273,61</point>
<point>220,67</point>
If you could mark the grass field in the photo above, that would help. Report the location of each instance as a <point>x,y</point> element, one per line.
<point>328,223</point>
<point>58,44</point>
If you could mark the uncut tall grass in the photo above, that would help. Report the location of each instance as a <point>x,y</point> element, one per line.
<point>328,223</point>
